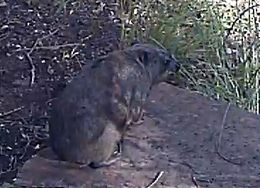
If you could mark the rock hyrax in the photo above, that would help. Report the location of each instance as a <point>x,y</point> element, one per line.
<point>89,118</point>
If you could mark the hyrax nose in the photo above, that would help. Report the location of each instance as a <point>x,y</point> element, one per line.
<point>178,65</point>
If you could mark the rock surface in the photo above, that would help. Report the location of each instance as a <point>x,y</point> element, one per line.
<point>190,140</point>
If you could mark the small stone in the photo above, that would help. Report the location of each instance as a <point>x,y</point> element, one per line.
<point>3,3</point>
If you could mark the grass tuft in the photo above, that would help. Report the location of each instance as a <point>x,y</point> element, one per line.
<point>221,37</point>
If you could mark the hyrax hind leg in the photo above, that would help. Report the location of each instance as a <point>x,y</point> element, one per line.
<point>112,159</point>
<point>108,148</point>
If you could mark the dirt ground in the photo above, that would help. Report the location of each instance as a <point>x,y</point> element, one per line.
<point>41,48</point>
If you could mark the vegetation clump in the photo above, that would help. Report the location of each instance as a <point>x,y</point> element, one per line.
<point>222,37</point>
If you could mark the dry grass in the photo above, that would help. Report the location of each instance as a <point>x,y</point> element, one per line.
<point>223,38</point>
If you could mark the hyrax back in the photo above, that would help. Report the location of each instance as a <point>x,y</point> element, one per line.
<point>91,115</point>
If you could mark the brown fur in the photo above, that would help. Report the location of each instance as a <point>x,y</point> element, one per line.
<point>89,118</point>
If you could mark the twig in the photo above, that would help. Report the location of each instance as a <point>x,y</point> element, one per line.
<point>32,68</point>
<point>11,168</point>
<point>80,65</point>
<point>38,40</point>
<point>28,55</point>
<point>156,179</point>
<point>26,147</point>
<point>239,17</point>
<point>194,180</point>
<point>10,112</point>
<point>50,34</point>
<point>222,124</point>
<point>31,62</point>
<point>7,171</point>
<point>56,47</point>
<point>157,43</point>
<point>217,145</point>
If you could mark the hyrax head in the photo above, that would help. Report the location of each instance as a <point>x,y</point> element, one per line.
<point>159,62</point>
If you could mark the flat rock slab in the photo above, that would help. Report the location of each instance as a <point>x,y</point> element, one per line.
<point>190,140</point>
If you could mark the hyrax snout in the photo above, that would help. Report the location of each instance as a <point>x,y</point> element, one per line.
<point>88,119</point>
